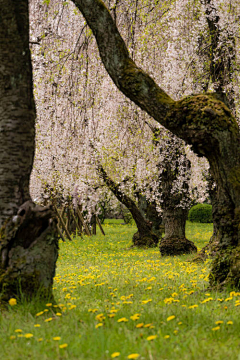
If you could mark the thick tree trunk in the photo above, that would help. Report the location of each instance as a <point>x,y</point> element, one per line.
<point>29,251</point>
<point>144,236</point>
<point>202,121</point>
<point>28,239</point>
<point>17,109</point>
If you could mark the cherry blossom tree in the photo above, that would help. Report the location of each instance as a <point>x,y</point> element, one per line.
<point>202,121</point>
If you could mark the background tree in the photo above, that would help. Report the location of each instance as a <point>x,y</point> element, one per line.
<point>202,121</point>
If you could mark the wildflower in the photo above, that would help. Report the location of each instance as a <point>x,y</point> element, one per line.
<point>139,325</point>
<point>216,328</point>
<point>135,317</point>
<point>47,320</point>
<point>115,354</point>
<point>50,304</point>
<point>12,302</point>
<point>40,313</point>
<point>193,306</point>
<point>111,315</point>
<point>12,337</point>
<point>175,332</point>
<point>218,322</point>
<point>122,320</point>
<point>148,325</point>
<point>133,356</point>
<point>166,336</point>
<point>180,323</point>
<point>40,339</point>
<point>146,301</point>
<point>100,317</point>
<point>63,346</point>
<point>229,323</point>
<point>151,337</point>
<point>18,330</point>
<point>171,317</point>
<point>98,325</point>
<point>58,314</point>
<point>56,338</point>
<point>37,325</point>
<point>28,336</point>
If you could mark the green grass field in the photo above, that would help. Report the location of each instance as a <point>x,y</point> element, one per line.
<point>118,302</point>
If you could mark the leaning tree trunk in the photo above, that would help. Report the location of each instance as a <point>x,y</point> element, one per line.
<point>203,121</point>
<point>28,241</point>
<point>144,236</point>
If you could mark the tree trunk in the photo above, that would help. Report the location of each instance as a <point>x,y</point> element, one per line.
<point>144,236</point>
<point>203,121</point>
<point>29,251</point>
<point>28,240</point>
<point>149,212</point>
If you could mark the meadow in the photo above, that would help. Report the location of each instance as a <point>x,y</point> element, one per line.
<point>118,302</point>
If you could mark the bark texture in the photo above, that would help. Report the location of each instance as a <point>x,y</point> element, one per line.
<point>17,110</point>
<point>203,121</point>
<point>144,235</point>
<point>29,251</point>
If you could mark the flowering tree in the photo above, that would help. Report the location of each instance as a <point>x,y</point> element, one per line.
<point>202,121</point>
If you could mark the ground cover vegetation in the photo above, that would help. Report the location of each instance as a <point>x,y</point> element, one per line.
<point>125,303</point>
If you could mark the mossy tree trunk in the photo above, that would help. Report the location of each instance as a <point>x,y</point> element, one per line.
<point>144,236</point>
<point>28,241</point>
<point>202,121</point>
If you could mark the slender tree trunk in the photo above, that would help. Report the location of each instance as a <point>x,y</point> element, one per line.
<point>144,236</point>
<point>203,121</point>
<point>28,237</point>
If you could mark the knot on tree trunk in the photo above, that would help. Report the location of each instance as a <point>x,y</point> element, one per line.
<point>176,246</point>
<point>29,251</point>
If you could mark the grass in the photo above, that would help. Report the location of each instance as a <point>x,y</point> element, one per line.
<point>118,302</point>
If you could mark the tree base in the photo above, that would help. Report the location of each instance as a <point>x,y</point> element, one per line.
<point>145,241</point>
<point>210,250</point>
<point>29,251</point>
<point>176,246</point>
<point>225,270</point>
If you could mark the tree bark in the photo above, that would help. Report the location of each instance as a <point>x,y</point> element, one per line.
<point>17,109</point>
<point>28,235</point>
<point>202,121</point>
<point>144,236</point>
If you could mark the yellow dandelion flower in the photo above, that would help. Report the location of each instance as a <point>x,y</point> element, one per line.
<point>100,317</point>
<point>40,313</point>
<point>115,354</point>
<point>49,304</point>
<point>179,323</point>
<point>122,320</point>
<point>148,325</point>
<point>28,336</point>
<point>47,320</point>
<point>166,336</point>
<point>151,337</point>
<point>133,356</point>
<point>40,339</point>
<point>63,346</point>
<point>218,322</point>
<point>18,330</point>
<point>140,325</point>
<point>37,325</point>
<point>171,317</point>
<point>135,317</point>
<point>229,322</point>
<point>98,325</point>
<point>175,332</point>
<point>216,328</point>
<point>12,302</point>
<point>193,306</point>
<point>57,338</point>
<point>58,314</point>
<point>12,337</point>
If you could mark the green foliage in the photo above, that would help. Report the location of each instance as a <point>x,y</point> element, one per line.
<point>160,298</point>
<point>201,213</point>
